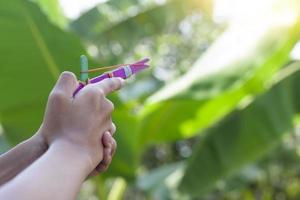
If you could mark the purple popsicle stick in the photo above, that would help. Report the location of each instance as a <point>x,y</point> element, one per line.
<point>122,72</point>
<point>80,86</point>
<point>142,61</point>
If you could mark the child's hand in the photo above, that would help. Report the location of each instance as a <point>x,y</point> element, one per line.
<point>79,123</point>
<point>110,146</point>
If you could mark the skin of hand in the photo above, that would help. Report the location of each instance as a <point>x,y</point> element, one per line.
<point>21,156</point>
<point>109,150</point>
<point>78,135</point>
<point>24,154</point>
<point>81,122</point>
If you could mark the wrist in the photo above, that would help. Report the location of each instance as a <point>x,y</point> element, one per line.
<point>38,144</point>
<point>74,151</point>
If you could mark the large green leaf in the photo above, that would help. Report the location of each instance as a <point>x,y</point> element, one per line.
<point>53,11</point>
<point>243,137</point>
<point>219,80</point>
<point>33,52</point>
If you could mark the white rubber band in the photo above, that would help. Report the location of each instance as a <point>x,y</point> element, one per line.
<point>128,71</point>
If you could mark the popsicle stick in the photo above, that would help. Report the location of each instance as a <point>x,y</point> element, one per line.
<point>84,68</point>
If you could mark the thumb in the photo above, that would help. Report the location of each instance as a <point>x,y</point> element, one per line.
<point>67,83</point>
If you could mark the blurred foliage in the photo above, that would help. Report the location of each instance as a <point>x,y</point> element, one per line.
<point>53,11</point>
<point>218,98</point>
<point>274,177</point>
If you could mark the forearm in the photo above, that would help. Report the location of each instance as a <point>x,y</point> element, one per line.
<point>21,156</point>
<point>58,174</point>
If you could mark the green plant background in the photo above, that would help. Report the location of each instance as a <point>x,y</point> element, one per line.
<point>214,118</point>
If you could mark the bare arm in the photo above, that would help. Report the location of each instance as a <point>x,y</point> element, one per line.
<point>18,158</point>
<point>21,156</point>
<point>58,174</point>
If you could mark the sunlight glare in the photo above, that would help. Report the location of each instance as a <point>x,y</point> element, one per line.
<point>249,21</point>
<point>74,8</point>
<point>295,54</point>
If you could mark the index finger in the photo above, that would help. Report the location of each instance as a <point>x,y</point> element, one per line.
<point>110,85</point>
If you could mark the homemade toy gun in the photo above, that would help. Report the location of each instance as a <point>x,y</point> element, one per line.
<point>121,70</point>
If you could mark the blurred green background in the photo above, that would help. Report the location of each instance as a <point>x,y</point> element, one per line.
<point>216,116</point>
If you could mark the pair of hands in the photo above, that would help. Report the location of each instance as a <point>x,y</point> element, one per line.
<point>83,123</point>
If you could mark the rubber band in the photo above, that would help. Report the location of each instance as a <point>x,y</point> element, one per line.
<point>128,71</point>
<point>137,63</point>
<point>110,74</point>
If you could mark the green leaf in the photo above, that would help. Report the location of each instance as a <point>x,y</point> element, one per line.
<point>53,11</point>
<point>33,52</point>
<point>241,138</point>
<point>219,81</point>
<point>35,57</point>
<point>22,121</point>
